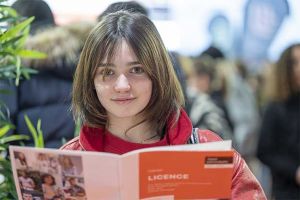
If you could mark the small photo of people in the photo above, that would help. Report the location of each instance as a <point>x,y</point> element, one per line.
<point>73,189</point>
<point>50,188</point>
<point>47,163</point>
<point>29,182</point>
<point>20,160</point>
<point>47,176</point>
<point>70,165</point>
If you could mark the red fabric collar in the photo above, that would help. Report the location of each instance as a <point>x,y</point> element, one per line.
<point>92,139</point>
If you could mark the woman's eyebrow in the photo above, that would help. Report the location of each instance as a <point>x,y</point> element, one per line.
<point>133,63</point>
<point>112,65</point>
<point>106,65</point>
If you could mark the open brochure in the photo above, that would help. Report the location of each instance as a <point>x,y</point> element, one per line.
<point>194,171</point>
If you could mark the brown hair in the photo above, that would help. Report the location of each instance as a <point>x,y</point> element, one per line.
<point>282,82</point>
<point>142,36</point>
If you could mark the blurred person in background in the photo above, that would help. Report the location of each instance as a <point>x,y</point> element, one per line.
<point>46,95</point>
<point>241,103</point>
<point>218,94</point>
<point>203,112</point>
<point>279,142</point>
<point>43,16</point>
<point>221,35</point>
<point>232,92</point>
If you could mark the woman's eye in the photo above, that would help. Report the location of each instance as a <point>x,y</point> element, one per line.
<point>107,72</point>
<point>137,70</point>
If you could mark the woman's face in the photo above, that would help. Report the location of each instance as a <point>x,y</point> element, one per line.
<point>296,65</point>
<point>123,87</point>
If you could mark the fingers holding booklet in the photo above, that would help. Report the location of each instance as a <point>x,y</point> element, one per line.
<point>172,172</point>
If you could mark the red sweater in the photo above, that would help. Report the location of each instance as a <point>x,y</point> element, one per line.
<point>99,139</point>
<point>244,184</point>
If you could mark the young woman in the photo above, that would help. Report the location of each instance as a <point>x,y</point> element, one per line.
<point>279,143</point>
<point>128,97</point>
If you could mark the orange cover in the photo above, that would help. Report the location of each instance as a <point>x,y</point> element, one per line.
<point>186,175</point>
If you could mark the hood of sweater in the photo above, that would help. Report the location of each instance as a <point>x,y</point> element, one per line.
<point>91,139</point>
<point>62,44</point>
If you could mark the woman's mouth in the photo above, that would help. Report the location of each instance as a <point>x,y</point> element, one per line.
<point>123,100</point>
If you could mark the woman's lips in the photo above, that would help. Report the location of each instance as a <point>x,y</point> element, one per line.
<point>123,100</point>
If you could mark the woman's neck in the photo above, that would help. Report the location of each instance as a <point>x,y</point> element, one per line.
<point>128,130</point>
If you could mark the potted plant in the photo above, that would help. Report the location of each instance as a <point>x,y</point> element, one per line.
<point>14,31</point>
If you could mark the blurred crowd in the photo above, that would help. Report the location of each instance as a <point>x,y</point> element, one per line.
<point>259,112</point>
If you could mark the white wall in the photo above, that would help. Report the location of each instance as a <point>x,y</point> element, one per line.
<point>186,28</point>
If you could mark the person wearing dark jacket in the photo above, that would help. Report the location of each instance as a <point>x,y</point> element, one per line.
<point>204,113</point>
<point>47,94</point>
<point>43,16</point>
<point>279,143</point>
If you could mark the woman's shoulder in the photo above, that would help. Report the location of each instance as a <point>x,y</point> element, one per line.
<point>73,144</point>
<point>207,136</point>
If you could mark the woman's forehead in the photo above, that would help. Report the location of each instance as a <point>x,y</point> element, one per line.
<point>120,50</point>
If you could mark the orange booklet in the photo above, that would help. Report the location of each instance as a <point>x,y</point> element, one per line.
<point>194,171</point>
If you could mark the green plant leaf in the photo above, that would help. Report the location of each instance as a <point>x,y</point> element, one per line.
<point>29,70</point>
<point>13,138</point>
<point>26,71</point>
<point>16,29</point>
<point>40,134</point>
<point>7,68</point>
<point>7,19</point>
<point>11,41</point>
<point>7,52</point>
<point>22,40</point>
<point>7,75</point>
<point>18,70</point>
<point>32,130</point>
<point>37,133</point>
<point>10,11</point>
<point>31,54</point>
<point>4,130</point>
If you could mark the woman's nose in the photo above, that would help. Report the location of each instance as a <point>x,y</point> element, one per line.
<point>122,84</point>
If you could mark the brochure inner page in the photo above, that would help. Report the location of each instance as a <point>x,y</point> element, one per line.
<point>47,173</point>
<point>129,171</point>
